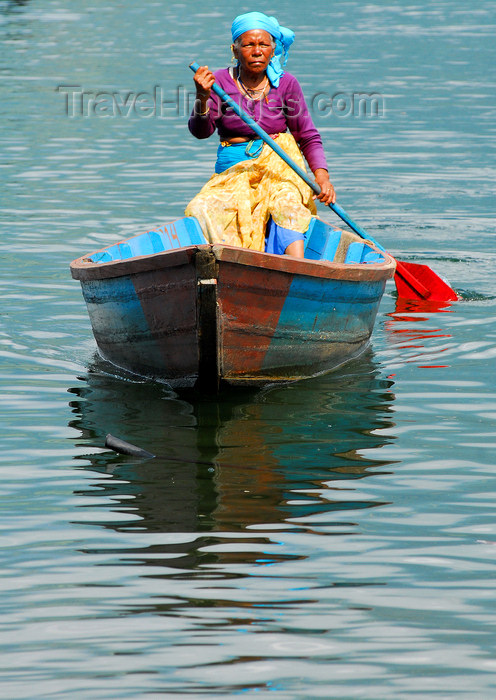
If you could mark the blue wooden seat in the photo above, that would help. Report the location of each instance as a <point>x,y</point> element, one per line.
<point>371,256</point>
<point>360,252</point>
<point>141,245</point>
<point>177,234</point>
<point>354,252</point>
<point>321,241</point>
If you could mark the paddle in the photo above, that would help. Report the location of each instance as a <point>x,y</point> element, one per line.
<point>413,281</point>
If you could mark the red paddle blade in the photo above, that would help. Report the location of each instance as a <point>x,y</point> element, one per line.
<point>415,281</point>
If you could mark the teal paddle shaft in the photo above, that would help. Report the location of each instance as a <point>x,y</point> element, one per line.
<point>282,153</point>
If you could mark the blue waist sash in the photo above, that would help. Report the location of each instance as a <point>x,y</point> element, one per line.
<point>234,153</point>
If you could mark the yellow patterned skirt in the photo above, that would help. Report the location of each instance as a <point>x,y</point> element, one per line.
<point>234,207</point>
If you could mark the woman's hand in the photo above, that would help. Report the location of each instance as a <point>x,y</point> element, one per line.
<point>204,79</point>
<point>327,194</point>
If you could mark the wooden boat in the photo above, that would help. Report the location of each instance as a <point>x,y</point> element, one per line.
<point>169,306</point>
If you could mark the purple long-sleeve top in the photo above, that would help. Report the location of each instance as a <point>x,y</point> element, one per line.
<point>285,108</point>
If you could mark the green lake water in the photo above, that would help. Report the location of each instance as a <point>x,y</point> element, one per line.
<point>333,538</point>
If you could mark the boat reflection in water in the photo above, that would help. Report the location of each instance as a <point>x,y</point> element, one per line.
<point>282,457</point>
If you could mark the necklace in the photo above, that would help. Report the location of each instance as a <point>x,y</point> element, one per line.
<point>253,93</point>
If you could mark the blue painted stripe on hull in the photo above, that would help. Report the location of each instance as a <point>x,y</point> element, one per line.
<point>322,320</point>
<point>118,322</point>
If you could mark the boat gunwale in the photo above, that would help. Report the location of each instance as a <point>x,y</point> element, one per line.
<point>326,269</point>
<point>84,269</point>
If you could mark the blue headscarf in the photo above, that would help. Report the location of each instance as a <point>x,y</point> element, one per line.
<point>284,38</point>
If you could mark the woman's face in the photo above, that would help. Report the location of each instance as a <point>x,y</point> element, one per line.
<point>254,51</point>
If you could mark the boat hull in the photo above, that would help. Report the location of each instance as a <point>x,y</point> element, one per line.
<point>210,314</point>
<point>290,323</point>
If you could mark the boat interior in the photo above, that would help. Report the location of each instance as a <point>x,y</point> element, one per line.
<point>322,242</point>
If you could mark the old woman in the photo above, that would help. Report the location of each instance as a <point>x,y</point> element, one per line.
<point>254,199</point>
